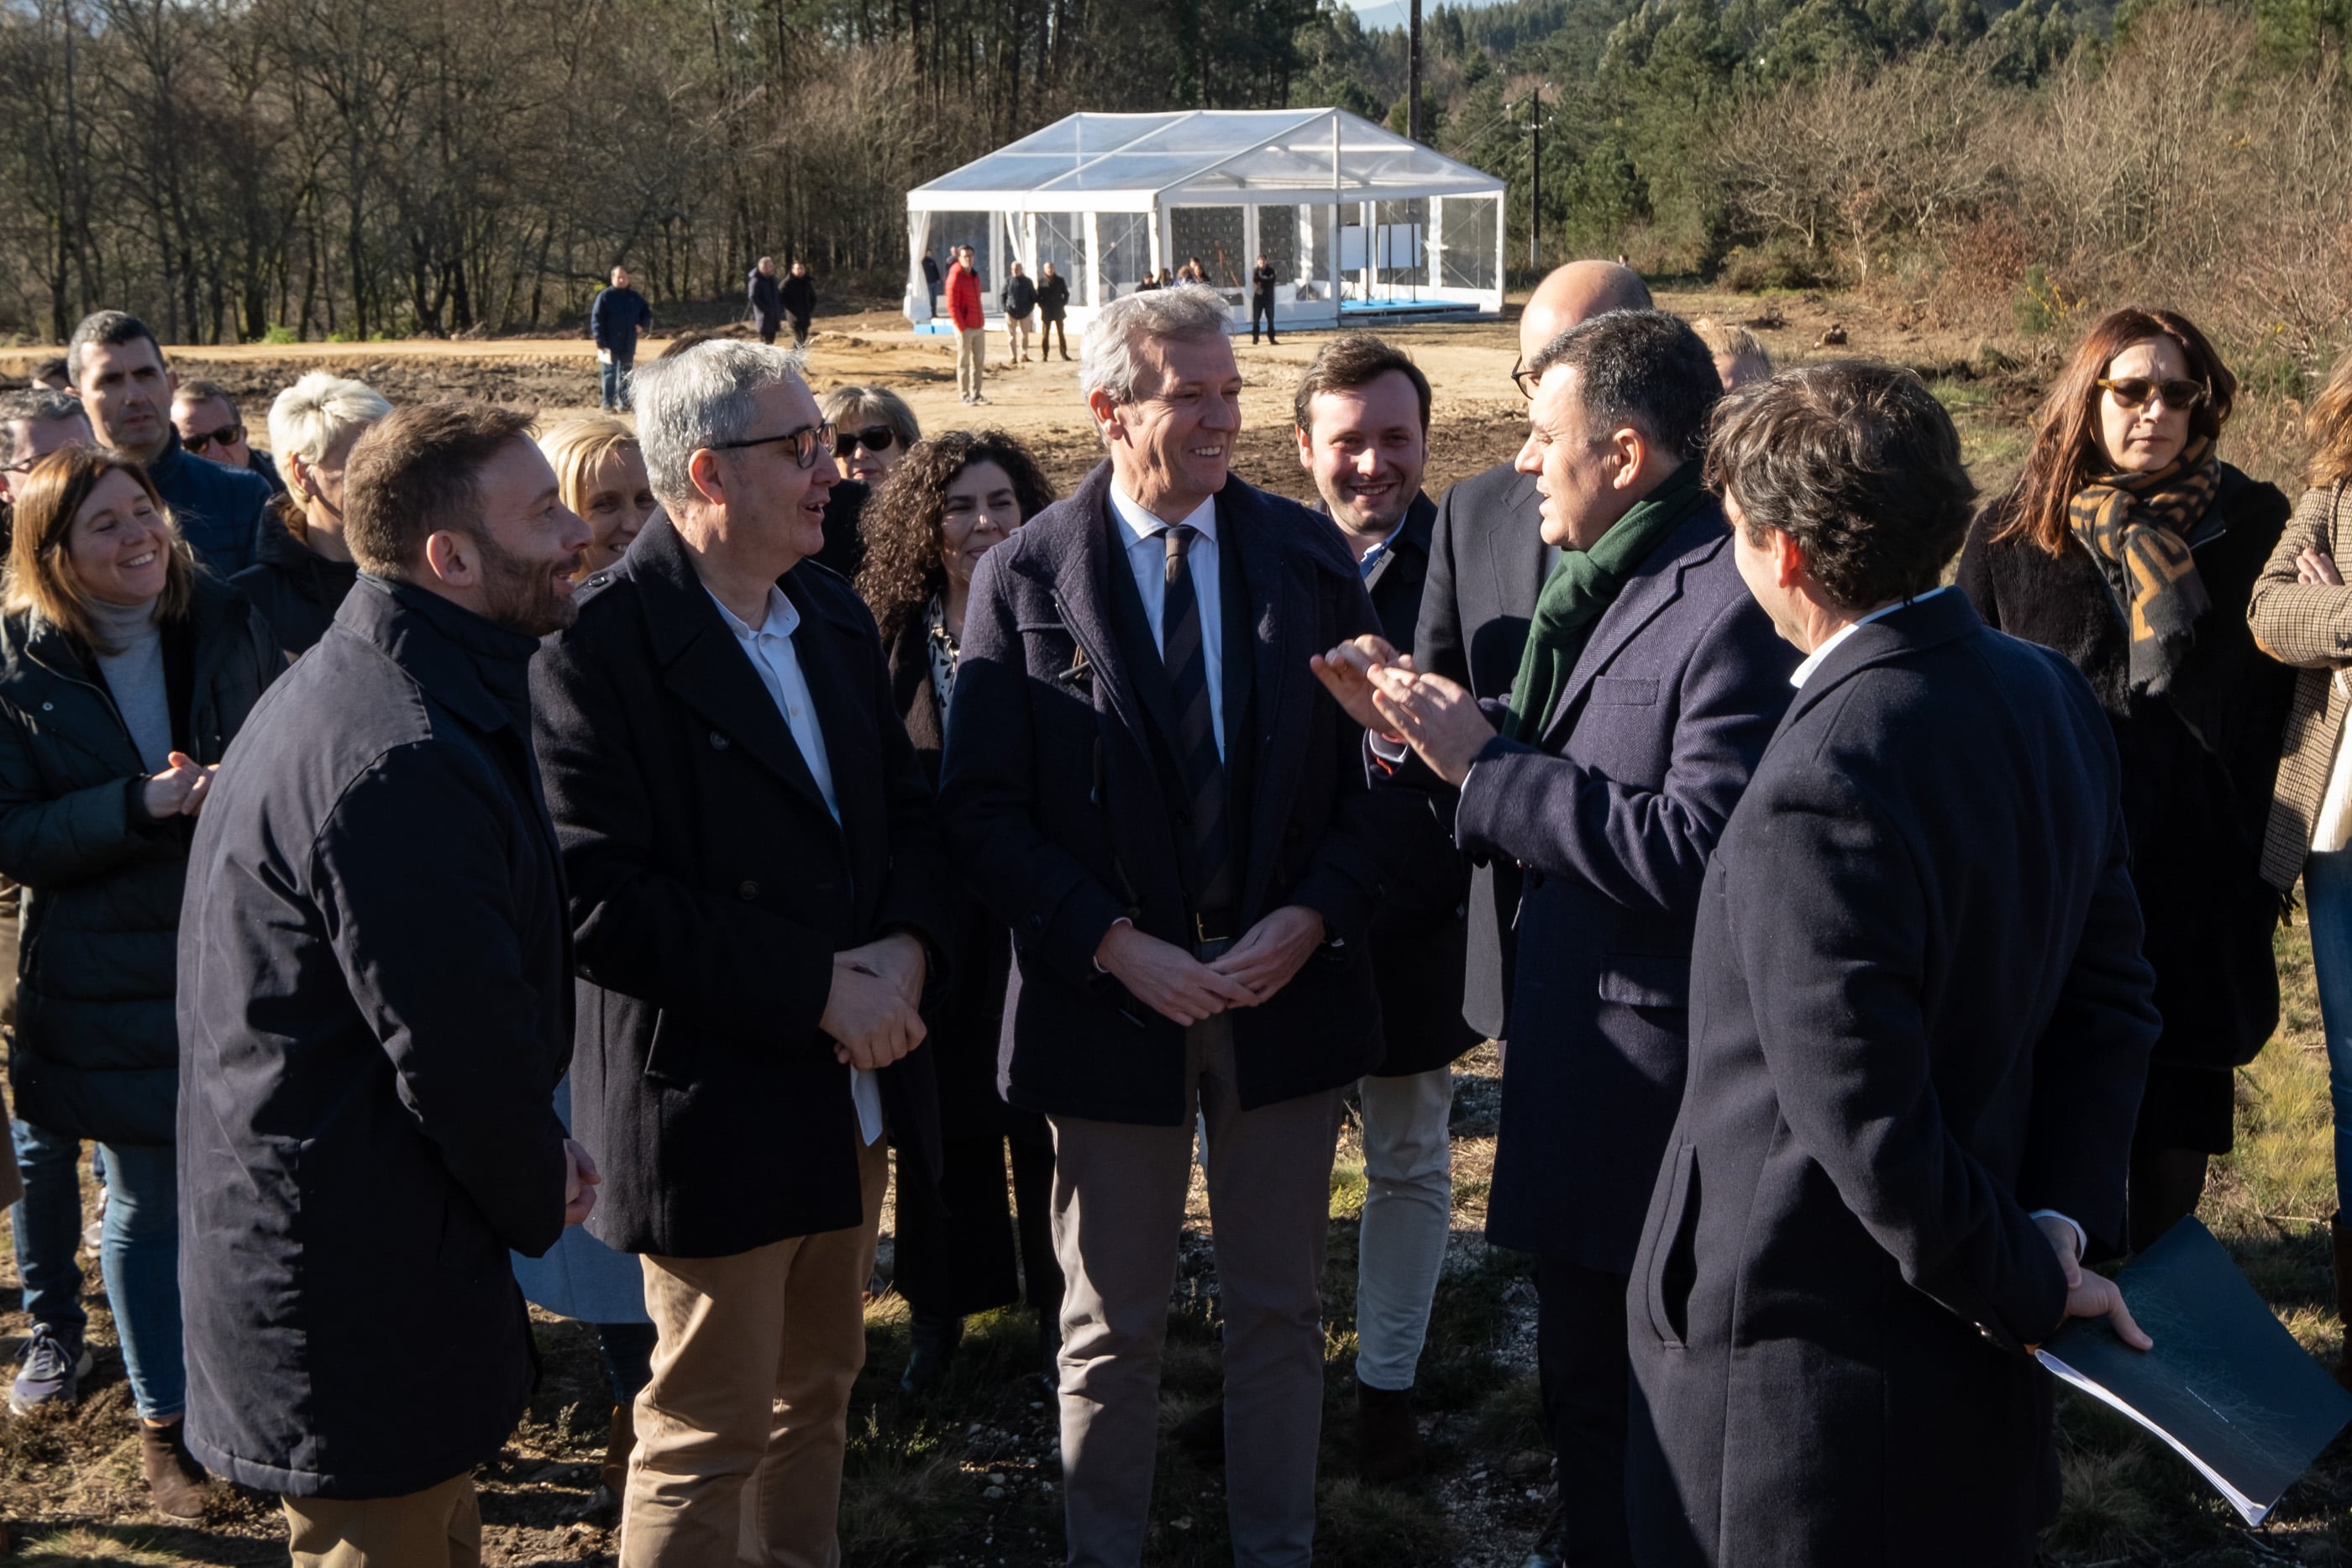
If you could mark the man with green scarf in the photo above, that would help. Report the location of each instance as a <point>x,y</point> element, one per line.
<point>1650,684</point>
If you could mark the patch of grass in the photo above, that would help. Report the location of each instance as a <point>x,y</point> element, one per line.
<point>2107,1511</point>
<point>1348,1186</point>
<point>895,1506</point>
<point>1359,1526</point>
<point>94,1545</point>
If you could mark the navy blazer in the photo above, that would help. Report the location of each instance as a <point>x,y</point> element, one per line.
<point>1060,814</point>
<point>710,889</point>
<point>1613,816</point>
<point>1921,1013</point>
<point>1487,563</point>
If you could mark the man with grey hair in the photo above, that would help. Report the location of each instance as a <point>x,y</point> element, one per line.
<point>33,423</point>
<point>757,889</point>
<point>205,414</point>
<point>1144,781</point>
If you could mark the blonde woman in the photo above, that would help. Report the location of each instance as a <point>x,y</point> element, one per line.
<point>301,568</point>
<point>600,472</point>
<point>2302,616</point>
<point>1741,359</point>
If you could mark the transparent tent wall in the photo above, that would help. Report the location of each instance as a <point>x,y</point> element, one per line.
<point>1400,252</point>
<point>1469,242</point>
<point>949,230</point>
<point>1212,235</point>
<point>1277,236</point>
<point>1062,241</point>
<point>1126,251</point>
<point>1314,230</point>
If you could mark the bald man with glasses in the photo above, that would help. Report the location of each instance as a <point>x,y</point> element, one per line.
<point>756,891</point>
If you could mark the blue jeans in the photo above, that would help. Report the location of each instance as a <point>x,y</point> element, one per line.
<point>613,380</point>
<point>139,1252</point>
<point>2327,896</point>
<point>46,1225</point>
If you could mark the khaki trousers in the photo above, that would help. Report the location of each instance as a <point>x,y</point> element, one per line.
<point>440,1527</point>
<point>1118,1211</point>
<point>1016,335</point>
<point>740,1434</point>
<point>971,356</point>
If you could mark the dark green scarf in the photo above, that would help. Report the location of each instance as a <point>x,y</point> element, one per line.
<point>1580,590</point>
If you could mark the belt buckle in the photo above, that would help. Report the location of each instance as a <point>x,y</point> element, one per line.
<point>1214,925</point>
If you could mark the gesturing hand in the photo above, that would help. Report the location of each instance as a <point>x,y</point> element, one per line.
<point>178,790</point>
<point>579,1183</point>
<point>1346,672</point>
<point>1271,951</point>
<point>2090,1294</point>
<point>1439,719</point>
<point>1166,978</point>
<point>869,1017</point>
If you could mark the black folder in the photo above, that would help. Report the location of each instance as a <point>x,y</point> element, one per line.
<point>2226,1384</point>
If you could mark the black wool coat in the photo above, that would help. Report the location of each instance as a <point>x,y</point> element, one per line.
<point>1421,936</point>
<point>1487,562</point>
<point>97,1054</point>
<point>1060,806</point>
<point>2197,769</point>
<point>297,590</point>
<point>969,1019</point>
<point>1918,1014</point>
<point>710,889</point>
<point>375,1003</point>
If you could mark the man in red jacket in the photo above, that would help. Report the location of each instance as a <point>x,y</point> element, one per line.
<point>964,309</point>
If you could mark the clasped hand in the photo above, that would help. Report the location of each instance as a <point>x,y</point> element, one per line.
<point>871,1012</point>
<point>579,1183</point>
<point>180,790</point>
<point>1380,689</point>
<point>1178,987</point>
<point>2090,1294</point>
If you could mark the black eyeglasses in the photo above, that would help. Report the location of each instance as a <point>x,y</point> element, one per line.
<point>226,435</point>
<point>1524,379</point>
<point>875,438</point>
<point>807,442</point>
<point>2134,391</point>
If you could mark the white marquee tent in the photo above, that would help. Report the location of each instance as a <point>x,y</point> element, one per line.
<point>1358,223</point>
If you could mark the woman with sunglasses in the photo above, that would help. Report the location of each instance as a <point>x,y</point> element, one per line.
<point>2301,614</point>
<point>956,497</point>
<point>2129,547</point>
<point>872,428</point>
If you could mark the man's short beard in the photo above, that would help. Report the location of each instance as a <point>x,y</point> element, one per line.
<point>520,595</point>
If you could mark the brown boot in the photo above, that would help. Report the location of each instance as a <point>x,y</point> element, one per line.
<point>174,1481</point>
<point>2341,1235</point>
<point>614,1473</point>
<point>1388,1443</point>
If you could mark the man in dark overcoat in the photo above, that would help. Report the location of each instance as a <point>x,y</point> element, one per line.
<point>374,1006</point>
<point>1487,562</point>
<point>756,897</point>
<point>1147,784</point>
<point>1924,1019</point>
<point>1649,686</point>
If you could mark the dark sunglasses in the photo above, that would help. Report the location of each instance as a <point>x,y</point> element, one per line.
<point>875,438</point>
<point>226,435</point>
<point>2133,392</point>
<point>1524,379</point>
<point>807,442</point>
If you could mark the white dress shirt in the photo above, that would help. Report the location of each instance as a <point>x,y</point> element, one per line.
<point>1804,671</point>
<point>770,649</point>
<point>1147,558</point>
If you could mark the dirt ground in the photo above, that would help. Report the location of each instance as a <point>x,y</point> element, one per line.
<point>968,1476</point>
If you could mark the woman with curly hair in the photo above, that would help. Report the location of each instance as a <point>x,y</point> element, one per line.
<point>2302,616</point>
<point>955,497</point>
<point>2129,547</point>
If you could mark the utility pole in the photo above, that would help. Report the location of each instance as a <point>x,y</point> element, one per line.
<point>1413,126</point>
<point>1534,174</point>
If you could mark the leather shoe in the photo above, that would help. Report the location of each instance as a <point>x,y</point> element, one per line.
<point>1551,1550</point>
<point>174,1481</point>
<point>935,1341</point>
<point>1388,1443</point>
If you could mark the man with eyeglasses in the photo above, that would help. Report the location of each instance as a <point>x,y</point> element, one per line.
<point>1487,563</point>
<point>117,371</point>
<point>206,418</point>
<point>756,887</point>
<point>33,423</point>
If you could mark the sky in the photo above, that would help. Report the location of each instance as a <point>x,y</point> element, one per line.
<point>1393,13</point>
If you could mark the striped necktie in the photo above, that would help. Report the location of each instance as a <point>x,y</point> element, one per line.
<point>1187,664</point>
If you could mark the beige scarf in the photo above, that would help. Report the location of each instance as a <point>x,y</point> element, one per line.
<point>2140,523</point>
